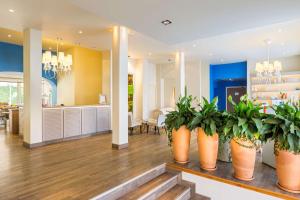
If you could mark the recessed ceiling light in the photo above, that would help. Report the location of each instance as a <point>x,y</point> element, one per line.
<point>9,35</point>
<point>11,10</point>
<point>279,30</point>
<point>194,45</point>
<point>150,54</point>
<point>282,43</point>
<point>80,32</point>
<point>166,22</point>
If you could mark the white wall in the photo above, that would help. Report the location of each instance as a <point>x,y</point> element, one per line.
<point>66,89</point>
<point>218,191</point>
<point>204,82</point>
<point>196,80</point>
<point>149,89</point>
<point>144,80</point>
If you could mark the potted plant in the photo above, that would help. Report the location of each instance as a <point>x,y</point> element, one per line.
<point>285,130</point>
<point>241,128</point>
<point>178,131</point>
<point>208,122</point>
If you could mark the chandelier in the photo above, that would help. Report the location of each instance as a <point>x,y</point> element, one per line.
<point>267,70</point>
<point>57,62</point>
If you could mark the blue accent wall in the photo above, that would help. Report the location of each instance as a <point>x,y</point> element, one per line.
<point>226,75</point>
<point>11,60</point>
<point>220,90</point>
<point>11,57</point>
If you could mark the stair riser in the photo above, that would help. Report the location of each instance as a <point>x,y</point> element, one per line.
<point>186,195</point>
<point>160,190</point>
<point>130,185</point>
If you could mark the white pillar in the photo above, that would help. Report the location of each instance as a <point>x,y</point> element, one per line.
<point>180,66</point>
<point>120,88</point>
<point>32,55</point>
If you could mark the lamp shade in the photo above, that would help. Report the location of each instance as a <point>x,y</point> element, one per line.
<point>61,57</point>
<point>277,66</point>
<point>54,60</point>
<point>259,67</point>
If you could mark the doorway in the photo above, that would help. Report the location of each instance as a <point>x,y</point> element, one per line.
<point>236,93</point>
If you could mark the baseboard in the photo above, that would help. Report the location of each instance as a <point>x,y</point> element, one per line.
<point>56,141</point>
<point>35,145</point>
<point>120,146</point>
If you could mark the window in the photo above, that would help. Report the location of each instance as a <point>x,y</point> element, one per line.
<point>11,93</point>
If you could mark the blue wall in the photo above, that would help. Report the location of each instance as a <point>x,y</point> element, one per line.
<point>220,76</point>
<point>11,57</point>
<point>11,60</point>
<point>220,90</point>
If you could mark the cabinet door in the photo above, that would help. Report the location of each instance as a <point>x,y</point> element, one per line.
<point>72,122</point>
<point>103,119</point>
<point>89,118</point>
<point>52,124</point>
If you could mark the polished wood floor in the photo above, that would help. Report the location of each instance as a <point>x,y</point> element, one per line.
<point>78,169</point>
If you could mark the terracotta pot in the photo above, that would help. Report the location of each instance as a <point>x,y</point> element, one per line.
<point>208,150</point>
<point>288,171</point>
<point>181,144</point>
<point>243,158</point>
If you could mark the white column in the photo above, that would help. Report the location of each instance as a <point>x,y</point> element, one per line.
<point>32,55</point>
<point>180,66</point>
<point>120,88</point>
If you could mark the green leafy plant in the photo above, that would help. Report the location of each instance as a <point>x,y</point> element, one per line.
<point>208,117</point>
<point>284,127</point>
<point>245,122</point>
<point>183,115</point>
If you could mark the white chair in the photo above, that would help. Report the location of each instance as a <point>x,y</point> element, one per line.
<point>133,123</point>
<point>157,120</point>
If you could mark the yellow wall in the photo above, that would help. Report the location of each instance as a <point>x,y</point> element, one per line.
<point>87,65</point>
<point>84,84</point>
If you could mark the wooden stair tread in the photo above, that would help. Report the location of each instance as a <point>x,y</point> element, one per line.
<point>200,197</point>
<point>143,189</point>
<point>174,192</point>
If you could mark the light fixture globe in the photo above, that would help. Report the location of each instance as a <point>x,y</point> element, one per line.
<point>57,63</point>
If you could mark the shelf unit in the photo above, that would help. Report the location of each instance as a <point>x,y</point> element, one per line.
<point>266,92</point>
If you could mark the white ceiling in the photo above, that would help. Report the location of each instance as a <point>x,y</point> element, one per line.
<point>192,19</point>
<point>230,30</point>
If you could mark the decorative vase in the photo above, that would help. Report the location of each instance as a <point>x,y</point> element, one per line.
<point>288,170</point>
<point>181,144</point>
<point>207,150</point>
<point>224,151</point>
<point>243,158</point>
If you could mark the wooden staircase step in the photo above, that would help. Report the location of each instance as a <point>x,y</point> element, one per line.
<point>200,197</point>
<point>131,185</point>
<point>178,192</point>
<point>154,188</point>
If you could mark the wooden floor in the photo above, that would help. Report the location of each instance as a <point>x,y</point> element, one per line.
<point>78,169</point>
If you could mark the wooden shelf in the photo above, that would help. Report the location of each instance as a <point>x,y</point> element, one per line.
<point>277,91</point>
<point>275,84</point>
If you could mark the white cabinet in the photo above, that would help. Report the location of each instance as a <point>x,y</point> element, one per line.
<point>89,118</point>
<point>52,124</point>
<point>103,119</point>
<point>72,121</point>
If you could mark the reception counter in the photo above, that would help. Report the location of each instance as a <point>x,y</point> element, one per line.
<point>75,121</point>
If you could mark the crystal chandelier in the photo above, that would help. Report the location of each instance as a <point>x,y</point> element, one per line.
<point>266,70</point>
<point>56,63</point>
